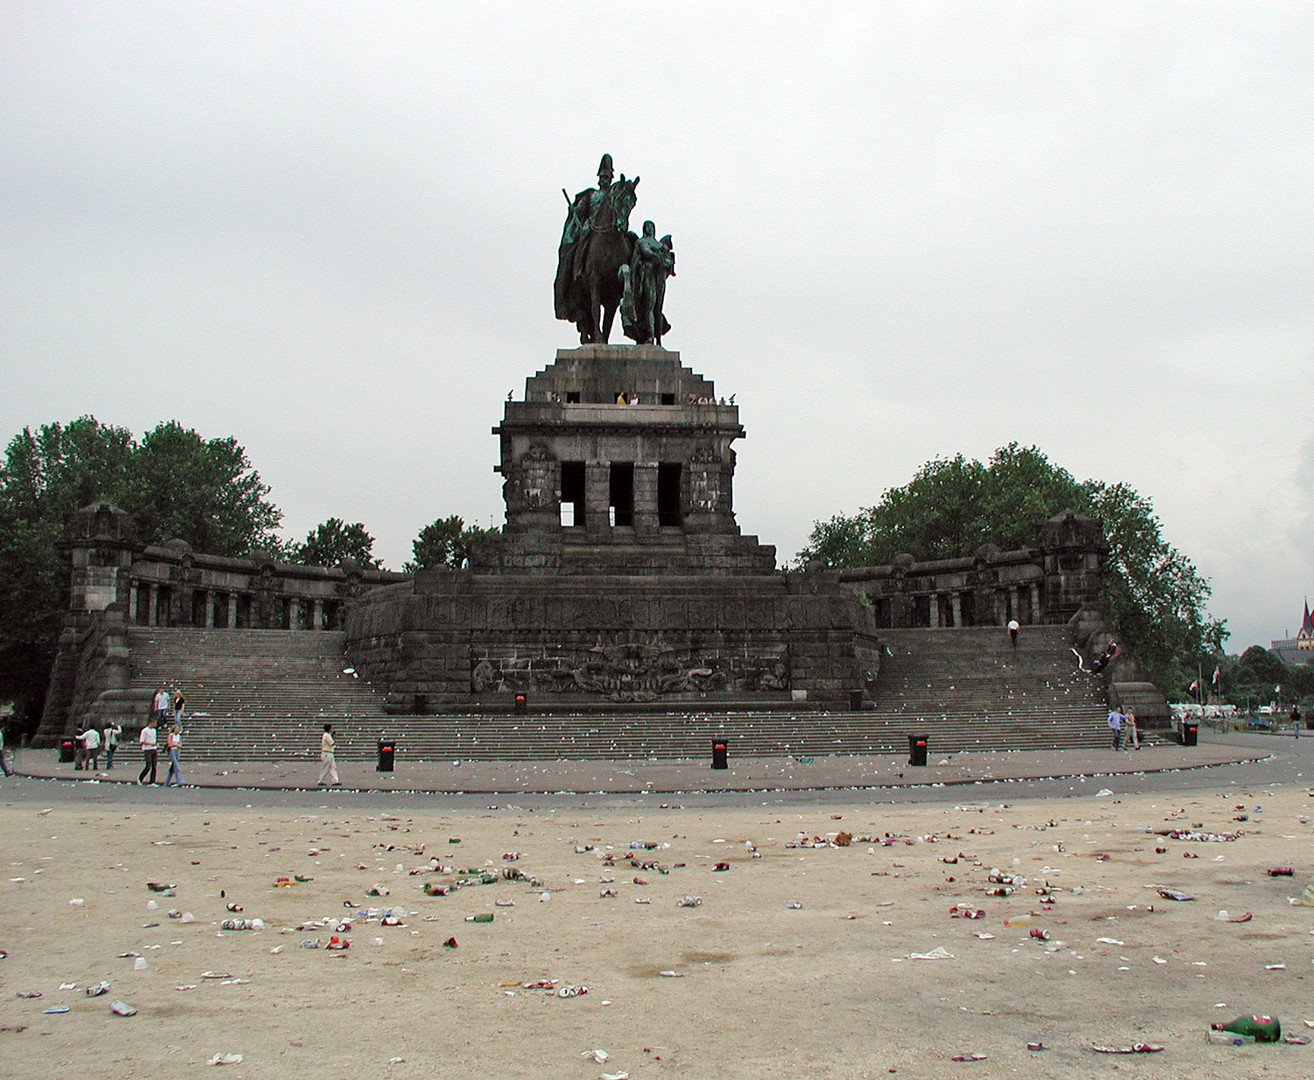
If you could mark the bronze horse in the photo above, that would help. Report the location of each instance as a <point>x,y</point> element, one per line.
<point>605,247</point>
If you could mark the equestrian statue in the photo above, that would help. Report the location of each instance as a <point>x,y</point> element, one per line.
<point>601,265</point>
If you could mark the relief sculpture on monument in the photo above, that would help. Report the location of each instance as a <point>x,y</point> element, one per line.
<point>629,671</point>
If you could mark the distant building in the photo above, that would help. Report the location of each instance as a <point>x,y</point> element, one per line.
<point>1299,649</point>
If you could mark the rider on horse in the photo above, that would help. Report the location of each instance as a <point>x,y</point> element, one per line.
<point>595,244</point>
<point>567,297</point>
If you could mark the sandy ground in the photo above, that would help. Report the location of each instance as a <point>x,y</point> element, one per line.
<point>741,985</point>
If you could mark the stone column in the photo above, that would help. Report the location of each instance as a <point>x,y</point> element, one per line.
<point>231,622</point>
<point>956,607</point>
<point>316,614</point>
<point>153,602</point>
<point>1035,603</point>
<point>132,602</point>
<point>597,497</point>
<point>645,497</point>
<point>935,610</point>
<point>209,609</point>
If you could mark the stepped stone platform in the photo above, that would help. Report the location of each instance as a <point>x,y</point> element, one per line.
<point>257,695</point>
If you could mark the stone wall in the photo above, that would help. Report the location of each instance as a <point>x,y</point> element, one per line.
<point>116,581</point>
<point>462,637</point>
<point>1047,584</point>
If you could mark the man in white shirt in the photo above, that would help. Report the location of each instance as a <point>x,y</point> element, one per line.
<point>1013,628</point>
<point>150,752</point>
<point>91,743</point>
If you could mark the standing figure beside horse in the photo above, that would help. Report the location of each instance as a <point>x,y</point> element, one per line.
<point>597,252</point>
<point>643,287</point>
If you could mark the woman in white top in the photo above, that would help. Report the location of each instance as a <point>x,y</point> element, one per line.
<point>173,743</point>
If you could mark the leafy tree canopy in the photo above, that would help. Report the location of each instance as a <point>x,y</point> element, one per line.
<point>177,483</point>
<point>334,540</point>
<point>445,542</point>
<point>1252,678</point>
<point>1152,594</point>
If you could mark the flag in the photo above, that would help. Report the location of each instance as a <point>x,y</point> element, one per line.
<point>1195,684</point>
<point>1277,689</point>
<point>1217,673</point>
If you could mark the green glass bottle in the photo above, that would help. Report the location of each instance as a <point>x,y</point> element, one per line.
<point>1259,1028</point>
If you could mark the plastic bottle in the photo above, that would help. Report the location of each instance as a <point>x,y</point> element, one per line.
<point>480,918</point>
<point>1259,1028</point>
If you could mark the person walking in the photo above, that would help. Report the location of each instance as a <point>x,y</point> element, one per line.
<point>161,703</point>
<point>1133,731</point>
<point>1115,725</point>
<point>1295,721</point>
<point>112,732</point>
<point>328,769</point>
<point>4,765</point>
<point>179,703</point>
<point>173,744</point>
<point>150,752</point>
<point>91,740</point>
<point>1013,628</point>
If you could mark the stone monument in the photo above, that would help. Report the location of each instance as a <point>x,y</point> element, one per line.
<point>621,573</point>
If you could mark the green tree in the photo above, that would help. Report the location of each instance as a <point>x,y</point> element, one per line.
<point>329,543</point>
<point>176,483</point>
<point>202,491</point>
<point>45,475</point>
<point>1152,594</point>
<point>445,542</point>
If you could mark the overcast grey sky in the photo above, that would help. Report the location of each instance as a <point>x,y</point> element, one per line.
<point>904,231</point>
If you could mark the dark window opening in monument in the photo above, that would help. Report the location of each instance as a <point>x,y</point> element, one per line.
<point>198,607</point>
<point>968,609</point>
<point>946,607</point>
<point>163,605</point>
<point>572,397</point>
<point>221,610</point>
<point>668,494</point>
<point>572,494</point>
<point>620,499</point>
<point>243,611</point>
<point>668,399</point>
<point>921,611</point>
<point>882,612</point>
<point>143,606</point>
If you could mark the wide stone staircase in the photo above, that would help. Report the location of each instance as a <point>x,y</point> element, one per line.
<point>970,688</point>
<point>265,694</point>
<point>258,694</point>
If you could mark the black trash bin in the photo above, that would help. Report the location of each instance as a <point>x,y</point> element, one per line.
<point>855,700</point>
<point>1190,733</point>
<point>720,754</point>
<point>917,749</point>
<point>66,750</point>
<point>522,703</point>
<point>420,705</point>
<point>387,753</point>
